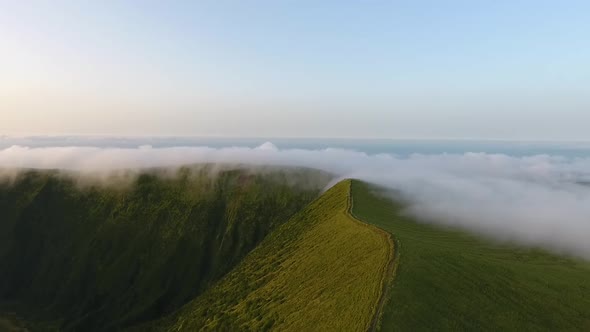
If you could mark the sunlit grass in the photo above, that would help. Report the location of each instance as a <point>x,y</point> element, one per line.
<point>321,271</point>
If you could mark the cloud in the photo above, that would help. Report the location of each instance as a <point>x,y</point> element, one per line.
<point>539,200</point>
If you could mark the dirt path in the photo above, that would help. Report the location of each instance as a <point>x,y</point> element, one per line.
<point>389,272</point>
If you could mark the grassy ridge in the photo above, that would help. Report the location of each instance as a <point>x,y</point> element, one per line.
<point>100,258</point>
<point>449,280</point>
<point>321,271</point>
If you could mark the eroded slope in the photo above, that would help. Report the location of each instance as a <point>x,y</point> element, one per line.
<point>102,257</point>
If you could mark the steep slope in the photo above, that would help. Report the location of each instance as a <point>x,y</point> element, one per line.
<point>105,257</point>
<point>449,280</point>
<point>321,271</point>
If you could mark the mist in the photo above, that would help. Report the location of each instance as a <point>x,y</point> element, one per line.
<point>539,200</point>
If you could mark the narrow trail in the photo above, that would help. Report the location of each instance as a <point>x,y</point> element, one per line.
<point>389,271</point>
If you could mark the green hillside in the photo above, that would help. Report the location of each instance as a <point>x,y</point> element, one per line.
<point>232,249</point>
<point>448,280</point>
<point>102,257</point>
<point>321,271</point>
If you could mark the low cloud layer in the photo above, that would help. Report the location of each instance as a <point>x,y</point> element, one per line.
<point>538,200</point>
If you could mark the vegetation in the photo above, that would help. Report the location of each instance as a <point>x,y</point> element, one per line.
<point>320,271</point>
<point>251,250</point>
<point>448,280</point>
<point>100,257</point>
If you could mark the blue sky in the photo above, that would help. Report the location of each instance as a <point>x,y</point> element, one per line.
<point>398,69</point>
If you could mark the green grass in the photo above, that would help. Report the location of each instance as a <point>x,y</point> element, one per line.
<point>248,251</point>
<point>321,271</point>
<point>447,279</point>
<point>107,257</point>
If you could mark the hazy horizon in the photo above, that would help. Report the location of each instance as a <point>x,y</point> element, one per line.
<point>509,192</point>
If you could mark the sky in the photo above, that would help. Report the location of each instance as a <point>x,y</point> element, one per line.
<point>515,70</point>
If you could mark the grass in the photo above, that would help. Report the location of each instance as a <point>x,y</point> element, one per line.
<point>104,257</point>
<point>245,251</point>
<point>447,279</point>
<point>321,271</point>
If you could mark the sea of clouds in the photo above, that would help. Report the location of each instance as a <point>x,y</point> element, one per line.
<point>538,200</point>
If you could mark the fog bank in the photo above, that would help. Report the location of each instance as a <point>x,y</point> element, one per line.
<point>537,200</point>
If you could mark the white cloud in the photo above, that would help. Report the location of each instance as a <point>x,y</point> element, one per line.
<point>538,200</point>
